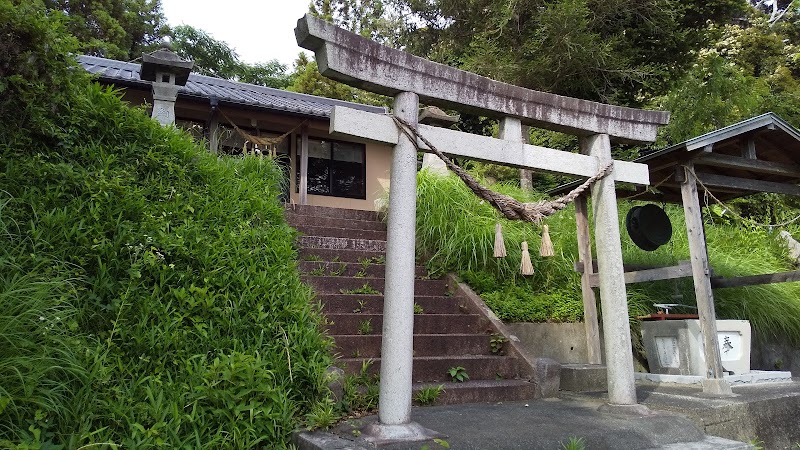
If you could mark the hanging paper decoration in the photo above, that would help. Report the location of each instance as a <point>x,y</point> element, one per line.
<point>525,266</point>
<point>546,248</point>
<point>499,243</point>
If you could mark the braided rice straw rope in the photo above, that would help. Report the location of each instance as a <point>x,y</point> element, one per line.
<point>511,208</point>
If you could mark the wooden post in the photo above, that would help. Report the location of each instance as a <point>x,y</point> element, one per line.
<point>304,166</point>
<point>589,300</point>
<point>213,135</point>
<point>749,152</point>
<point>702,284</point>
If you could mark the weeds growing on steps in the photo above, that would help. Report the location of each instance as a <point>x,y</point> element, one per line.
<point>428,395</point>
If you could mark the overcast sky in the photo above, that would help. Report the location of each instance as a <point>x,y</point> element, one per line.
<point>259,30</point>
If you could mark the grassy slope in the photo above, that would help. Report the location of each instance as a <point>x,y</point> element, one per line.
<point>187,324</point>
<point>456,230</point>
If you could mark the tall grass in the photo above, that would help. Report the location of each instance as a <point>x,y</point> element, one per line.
<point>455,231</point>
<point>41,362</point>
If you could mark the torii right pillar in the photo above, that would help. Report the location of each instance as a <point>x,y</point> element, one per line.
<point>613,294</point>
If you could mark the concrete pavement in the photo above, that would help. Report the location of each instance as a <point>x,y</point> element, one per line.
<point>682,417</point>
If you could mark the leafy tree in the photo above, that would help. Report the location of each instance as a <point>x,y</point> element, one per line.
<point>750,69</point>
<point>713,94</point>
<point>118,29</point>
<point>35,76</point>
<point>272,74</point>
<point>307,80</point>
<point>374,19</point>
<point>211,57</point>
<point>774,8</point>
<point>217,59</point>
<point>619,51</point>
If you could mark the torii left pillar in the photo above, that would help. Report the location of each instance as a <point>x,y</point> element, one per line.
<point>397,344</point>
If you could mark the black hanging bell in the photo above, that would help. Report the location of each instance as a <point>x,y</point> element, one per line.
<point>648,226</point>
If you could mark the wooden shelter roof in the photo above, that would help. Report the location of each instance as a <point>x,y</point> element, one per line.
<point>760,154</point>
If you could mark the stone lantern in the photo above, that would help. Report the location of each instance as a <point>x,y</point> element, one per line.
<point>168,72</point>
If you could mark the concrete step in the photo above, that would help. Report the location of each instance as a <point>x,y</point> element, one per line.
<point>330,231</point>
<point>335,213</point>
<point>341,243</point>
<point>334,255</point>
<point>583,378</point>
<point>297,220</point>
<point>348,324</point>
<point>369,346</point>
<point>434,369</point>
<point>480,391</point>
<point>335,285</point>
<point>373,304</point>
<point>366,269</point>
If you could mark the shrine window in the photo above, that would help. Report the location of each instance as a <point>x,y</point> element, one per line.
<point>335,168</point>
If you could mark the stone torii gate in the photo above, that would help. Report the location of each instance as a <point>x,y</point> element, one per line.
<point>362,63</point>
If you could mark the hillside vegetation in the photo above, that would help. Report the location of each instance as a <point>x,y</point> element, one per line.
<point>455,231</point>
<point>149,289</point>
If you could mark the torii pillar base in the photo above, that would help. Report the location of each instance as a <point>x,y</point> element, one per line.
<point>379,434</point>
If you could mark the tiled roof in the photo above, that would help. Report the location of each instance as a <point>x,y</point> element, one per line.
<point>204,87</point>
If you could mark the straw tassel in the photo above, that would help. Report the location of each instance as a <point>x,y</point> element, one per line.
<point>499,244</point>
<point>525,267</point>
<point>546,248</point>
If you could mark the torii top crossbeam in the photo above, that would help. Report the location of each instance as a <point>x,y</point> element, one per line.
<point>360,62</point>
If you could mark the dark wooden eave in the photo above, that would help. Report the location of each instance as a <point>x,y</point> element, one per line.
<point>761,154</point>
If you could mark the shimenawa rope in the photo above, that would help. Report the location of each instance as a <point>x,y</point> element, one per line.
<point>510,207</point>
<point>262,140</point>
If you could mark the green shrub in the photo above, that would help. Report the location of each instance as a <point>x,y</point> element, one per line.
<point>520,304</point>
<point>34,70</point>
<point>174,274</point>
<point>480,281</point>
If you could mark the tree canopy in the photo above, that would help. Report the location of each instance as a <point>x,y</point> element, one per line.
<point>710,63</point>
<point>217,59</point>
<point>124,29</point>
<point>750,68</point>
<point>118,29</point>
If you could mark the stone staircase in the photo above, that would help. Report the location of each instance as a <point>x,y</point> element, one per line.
<point>342,255</point>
